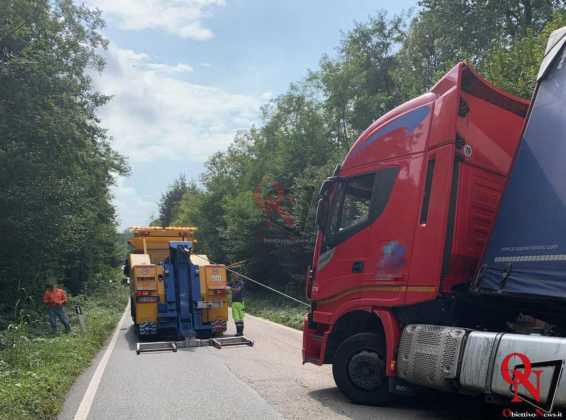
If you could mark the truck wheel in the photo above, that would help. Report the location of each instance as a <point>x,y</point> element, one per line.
<point>359,369</point>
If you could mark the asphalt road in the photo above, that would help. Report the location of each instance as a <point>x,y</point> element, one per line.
<point>266,381</point>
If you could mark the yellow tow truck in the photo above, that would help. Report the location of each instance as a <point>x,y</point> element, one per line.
<point>174,292</point>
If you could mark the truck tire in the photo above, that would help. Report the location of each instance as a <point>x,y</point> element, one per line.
<point>359,369</point>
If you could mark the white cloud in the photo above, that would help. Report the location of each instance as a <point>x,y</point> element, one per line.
<point>143,62</point>
<point>154,115</point>
<point>179,17</point>
<point>177,68</point>
<point>133,209</point>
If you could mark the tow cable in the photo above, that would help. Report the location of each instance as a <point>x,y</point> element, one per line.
<point>260,283</point>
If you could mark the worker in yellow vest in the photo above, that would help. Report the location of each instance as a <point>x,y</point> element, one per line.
<point>238,308</point>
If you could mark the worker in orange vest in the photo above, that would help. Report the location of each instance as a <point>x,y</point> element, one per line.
<point>55,299</point>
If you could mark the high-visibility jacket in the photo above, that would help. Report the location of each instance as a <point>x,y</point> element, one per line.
<point>238,291</point>
<point>55,297</point>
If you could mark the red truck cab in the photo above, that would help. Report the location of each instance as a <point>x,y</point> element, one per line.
<point>402,224</point>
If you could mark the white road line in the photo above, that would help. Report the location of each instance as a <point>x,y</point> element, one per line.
<point>88,397</point>
<point>274,323</point>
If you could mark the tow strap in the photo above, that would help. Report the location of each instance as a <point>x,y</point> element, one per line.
<point>262,284</point>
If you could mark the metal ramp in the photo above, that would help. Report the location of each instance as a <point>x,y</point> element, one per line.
<point>220,342</point>
<point>217,342</point>
<point>156,346</point>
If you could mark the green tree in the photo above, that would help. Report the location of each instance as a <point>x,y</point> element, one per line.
<point>444,32</point>
<point>56,162</point>
<point>186,212</point>
<point>515,68</point>
<point>358,85</point>
<point>171,199</point>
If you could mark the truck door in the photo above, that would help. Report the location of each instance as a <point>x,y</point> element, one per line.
<point>357,201</point>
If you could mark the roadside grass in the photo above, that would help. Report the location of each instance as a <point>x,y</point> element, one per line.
<point>37,368</point>
<point>276,309</point>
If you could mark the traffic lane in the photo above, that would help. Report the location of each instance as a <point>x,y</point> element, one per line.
<point>160,385</point>
<point>242,382</point>
<point>273,368</point>
<point>166,385</point>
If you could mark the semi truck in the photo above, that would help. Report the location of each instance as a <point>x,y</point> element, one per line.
<point>440,254</point>
<point>173,291</point>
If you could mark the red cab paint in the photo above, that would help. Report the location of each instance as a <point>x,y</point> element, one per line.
<point>408,213</point>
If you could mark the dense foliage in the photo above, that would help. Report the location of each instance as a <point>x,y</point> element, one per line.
<point>257,199</point>
<point>37,368</point>
<point>56,162</point>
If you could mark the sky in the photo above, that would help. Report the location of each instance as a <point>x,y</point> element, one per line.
<point>186,75</point>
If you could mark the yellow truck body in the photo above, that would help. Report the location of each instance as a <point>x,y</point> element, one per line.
<point>150,247</point>
<point>146,289</point>
<point>154,240</point>
<point>213,281</point>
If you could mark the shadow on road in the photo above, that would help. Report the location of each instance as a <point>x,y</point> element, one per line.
<point>131,337</point>
<point>433,405</point>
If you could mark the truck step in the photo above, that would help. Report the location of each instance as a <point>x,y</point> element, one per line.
<point>220,342</point>
<point>156,346</point>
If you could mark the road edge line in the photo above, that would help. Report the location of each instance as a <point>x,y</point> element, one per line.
<point>273,322</point>
<point>88,397</point>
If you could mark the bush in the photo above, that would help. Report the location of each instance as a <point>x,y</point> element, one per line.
<point>37,368</point>
<point>276,309</point>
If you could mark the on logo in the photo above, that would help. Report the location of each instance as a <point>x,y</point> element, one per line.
<point>528,375</point>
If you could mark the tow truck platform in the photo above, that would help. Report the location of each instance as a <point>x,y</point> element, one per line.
<point>217,342</point>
